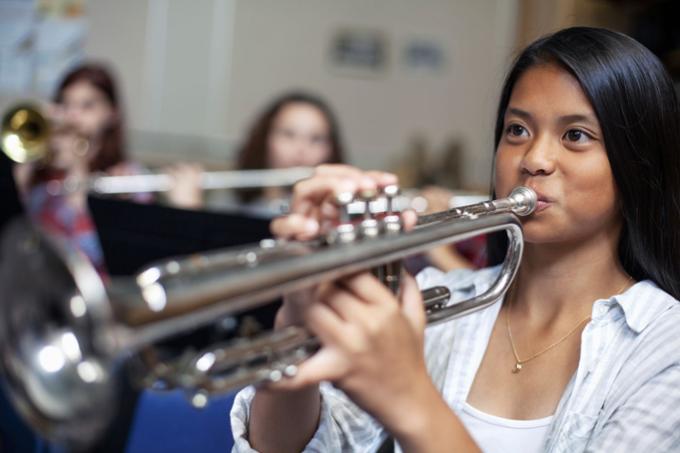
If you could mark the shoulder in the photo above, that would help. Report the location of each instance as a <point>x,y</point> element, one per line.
<point>639,375</point>
<point>650,312</point>
<point>648,344</point>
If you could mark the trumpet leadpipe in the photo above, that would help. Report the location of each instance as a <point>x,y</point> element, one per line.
<point>411,199</point>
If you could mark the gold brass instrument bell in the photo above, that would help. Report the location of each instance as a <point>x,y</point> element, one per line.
<point>25,133</point>
<point>65,334</point>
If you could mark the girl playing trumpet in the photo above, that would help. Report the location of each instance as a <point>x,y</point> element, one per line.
<point>581,354</point>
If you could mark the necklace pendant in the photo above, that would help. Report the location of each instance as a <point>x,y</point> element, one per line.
<point>517,368</point>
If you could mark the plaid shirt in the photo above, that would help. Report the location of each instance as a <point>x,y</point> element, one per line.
<point>73,224</point>
<point>69,223</point>
<point>624,396</point>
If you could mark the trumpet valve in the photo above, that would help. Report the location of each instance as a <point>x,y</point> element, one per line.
<point>345,232</point>
<point>369,227</point>
<point>392,220</point>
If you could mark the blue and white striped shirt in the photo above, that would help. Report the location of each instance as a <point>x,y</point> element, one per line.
<point>624,396</point>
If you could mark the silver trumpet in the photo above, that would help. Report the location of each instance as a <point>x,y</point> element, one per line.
<point>67,336</point>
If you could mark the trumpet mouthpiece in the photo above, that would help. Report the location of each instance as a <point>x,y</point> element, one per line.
<point>524,200</point>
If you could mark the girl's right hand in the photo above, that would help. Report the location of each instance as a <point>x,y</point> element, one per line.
<point>313,210</point>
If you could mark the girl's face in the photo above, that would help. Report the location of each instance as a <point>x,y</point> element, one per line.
<point>69,149</point>
<point>87,109</point>
<point>299,137</point>
<point>552,143</point>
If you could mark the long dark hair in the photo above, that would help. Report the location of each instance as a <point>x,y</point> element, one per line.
<point>112,150</point>
<point>637,108</point>
<point>254,151</point>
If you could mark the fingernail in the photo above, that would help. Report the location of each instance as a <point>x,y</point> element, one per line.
<point>388,178</point>
<point>311,226</point>
<point>367,182</point>
<point>347,186</point>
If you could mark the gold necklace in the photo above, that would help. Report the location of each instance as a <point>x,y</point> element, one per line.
<point>519,362</point>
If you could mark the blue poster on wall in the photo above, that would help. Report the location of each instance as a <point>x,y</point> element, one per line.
<point>39,41</point>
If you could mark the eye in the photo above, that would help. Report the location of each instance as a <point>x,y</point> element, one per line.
<point>577,136</point>
<point>86,105</point>
<point>285,133</point>
<point>516,131</point>
<point>318,140</point>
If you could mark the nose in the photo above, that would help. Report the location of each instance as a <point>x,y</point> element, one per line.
<point>304,146</point>
<point>540,157</point>
<point>72,115</point>
<point>69,112</point>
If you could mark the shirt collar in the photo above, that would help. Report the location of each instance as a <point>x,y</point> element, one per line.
<point>642,303</point>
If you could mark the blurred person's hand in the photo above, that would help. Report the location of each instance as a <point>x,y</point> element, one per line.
<point>438,198</point>
<point>186,191</point>
<point>445,257</point>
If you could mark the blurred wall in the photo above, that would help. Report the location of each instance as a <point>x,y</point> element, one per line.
<point>279,46</point>
<point>540,17</point>
<point>196,72</point>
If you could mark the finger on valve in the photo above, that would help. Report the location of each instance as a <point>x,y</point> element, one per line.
<point>330,180</point>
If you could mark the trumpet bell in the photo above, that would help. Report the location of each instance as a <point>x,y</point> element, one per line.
<point>24,133</point>
<point>47,346</point>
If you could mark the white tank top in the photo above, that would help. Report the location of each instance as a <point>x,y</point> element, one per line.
<point>496,434</point>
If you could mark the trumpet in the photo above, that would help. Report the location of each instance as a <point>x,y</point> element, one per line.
<point>65,336</point>
<point>25,136</point>
<point>24,133</point>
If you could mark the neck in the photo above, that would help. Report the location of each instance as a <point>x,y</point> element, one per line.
<point>78,170</point>
<point>565,279</point>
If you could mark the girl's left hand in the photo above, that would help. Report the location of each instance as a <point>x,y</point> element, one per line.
<point>372,346</point>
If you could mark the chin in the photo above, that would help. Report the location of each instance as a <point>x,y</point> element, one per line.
<point>537,233</point>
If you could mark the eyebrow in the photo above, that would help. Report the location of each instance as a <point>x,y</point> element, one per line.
<point>566,119</point>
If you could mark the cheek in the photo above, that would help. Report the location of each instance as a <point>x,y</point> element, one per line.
<point>317,155</point>
<point>590,176</point>
<point>88,122</point>
<point>593,191</point>
<point>277,152</point>
<point>506,174</point>
<point>103,118</point>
